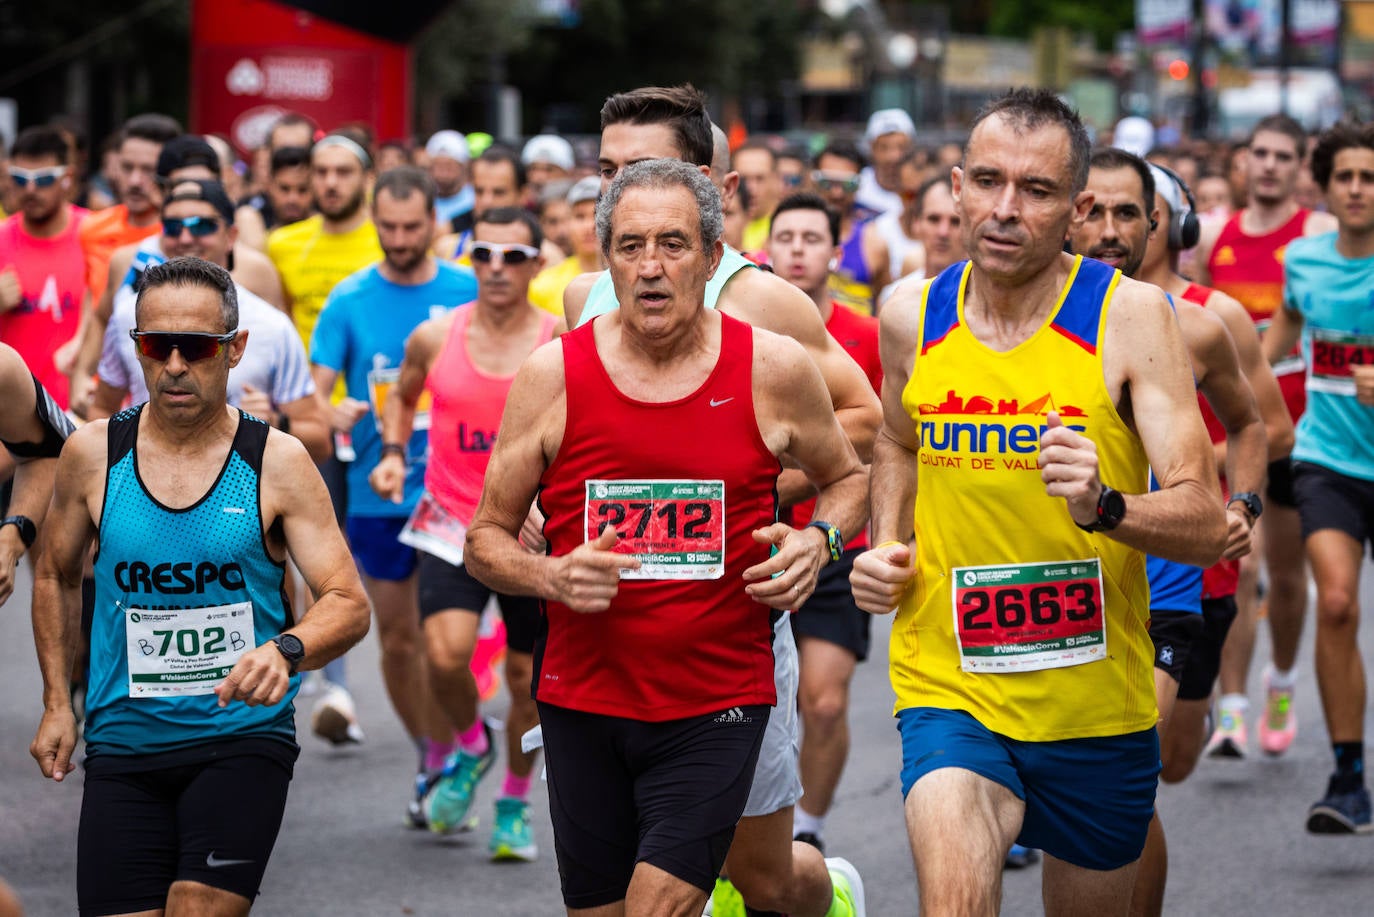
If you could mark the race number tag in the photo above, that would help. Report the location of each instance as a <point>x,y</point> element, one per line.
<point>1024,617</point>
<point>676,529</point>
<point>379,385</point>
<point>185,652</point>
<point>435,530</point>
<point>1334,356</point>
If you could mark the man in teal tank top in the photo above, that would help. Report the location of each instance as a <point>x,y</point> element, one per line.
<point>194,649</point>
<point>1326,299</point>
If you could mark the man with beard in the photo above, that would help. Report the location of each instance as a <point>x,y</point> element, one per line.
<point>448,165</point>
<point>42,269</point>
<point>360,338</point>
<point>1244,258</point>
<point>1118,231</point>
<point>316,253</point>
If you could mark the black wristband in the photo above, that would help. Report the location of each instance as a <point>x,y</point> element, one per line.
<point>394,449</point>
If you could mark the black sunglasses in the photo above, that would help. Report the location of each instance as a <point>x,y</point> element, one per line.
<point>194,346</point>
<point>199,227</point>
<point>513,255</point>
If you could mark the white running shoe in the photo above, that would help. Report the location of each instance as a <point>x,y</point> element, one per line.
<point>335,718</point>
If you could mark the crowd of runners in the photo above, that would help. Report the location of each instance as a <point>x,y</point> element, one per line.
<point>643,442</point>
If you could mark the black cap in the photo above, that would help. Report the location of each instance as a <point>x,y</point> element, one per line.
<point>200,189</point>
<point>186,150</point>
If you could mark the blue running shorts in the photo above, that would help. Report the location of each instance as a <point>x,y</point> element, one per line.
<point>1088,801</point>
<point>376,548</point>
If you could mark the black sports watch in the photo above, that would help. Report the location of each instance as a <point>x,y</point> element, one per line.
<point>833,540</point>
<point>1252,503</point>
<point>27,530</point>
<point>291,647</point>
<point>1111,509</point>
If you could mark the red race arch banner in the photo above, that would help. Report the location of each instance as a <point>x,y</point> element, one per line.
<point>252,60</point>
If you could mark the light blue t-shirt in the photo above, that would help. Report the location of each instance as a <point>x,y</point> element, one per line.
<point>1335,296</point>
<point>446,208</point>
<point>601,298</point>
<point>362,335</point>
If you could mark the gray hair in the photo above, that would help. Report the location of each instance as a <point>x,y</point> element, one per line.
<point>663,174</point>
<point>193,272</point>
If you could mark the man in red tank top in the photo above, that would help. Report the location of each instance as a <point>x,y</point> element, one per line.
<point>1244,258</point>
<point>465,362</point>
<point>832,633</point>
<point>653,437</point>
<point>1182,744</point>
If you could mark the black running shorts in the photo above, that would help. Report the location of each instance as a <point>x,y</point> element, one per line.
<point>623,791</point>
<point>1280,489</point>
<point>149,821</point>
<point>1328,499</point>
<point>445,587</point>
<point>1204,660</point>
<point>831,613</point>
<point>1174,633</point>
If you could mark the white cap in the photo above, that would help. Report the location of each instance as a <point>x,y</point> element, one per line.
<point>889,121</point>
<point>586,189</point>
<point>449,144</point>
<point>551,149</point>
<point>1134,134</point>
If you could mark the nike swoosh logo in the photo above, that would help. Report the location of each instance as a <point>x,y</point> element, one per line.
<point>215,862</point>
<point>716,404</point>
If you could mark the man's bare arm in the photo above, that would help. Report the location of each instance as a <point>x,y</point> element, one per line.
<point>1285,328</point>
<point>769,302</point>
<point>57,593</point>
<point>1278,425</point>
<point>1145,353</point>
<point>1219,378</point>
<point>309,425</point>
<point>882,573</point>
<point>398,412</point>
<point>256,273</point>
<point>575,297</point>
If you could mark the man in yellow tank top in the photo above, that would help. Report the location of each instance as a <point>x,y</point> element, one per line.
<point>1026,395</point>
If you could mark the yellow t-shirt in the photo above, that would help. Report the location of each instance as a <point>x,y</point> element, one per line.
<point>756,234</point>
<point>546,290</point>
<point>311,261</point>
<point>1033,626</point>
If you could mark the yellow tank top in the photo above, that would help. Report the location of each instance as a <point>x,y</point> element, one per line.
<point>311,261</point>
<point>1017,616</point>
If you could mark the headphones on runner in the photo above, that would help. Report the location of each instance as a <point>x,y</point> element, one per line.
<point>1184,228</point>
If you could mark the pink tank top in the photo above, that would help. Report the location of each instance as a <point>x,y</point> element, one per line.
<point>465,415</point>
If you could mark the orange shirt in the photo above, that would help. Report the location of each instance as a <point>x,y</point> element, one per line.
<point>101,234</point>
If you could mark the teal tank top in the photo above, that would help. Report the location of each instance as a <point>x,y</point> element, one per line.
<point>180,595</point>
<point>601,299</point>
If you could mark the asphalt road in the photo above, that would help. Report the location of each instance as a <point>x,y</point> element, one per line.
<point>1235,830</point>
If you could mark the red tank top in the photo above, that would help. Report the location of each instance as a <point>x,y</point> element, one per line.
<point>858,335</point>
<point>1222,578</point>
<point>1250,268</point>
<point>687,480</point>
<point>465,414</point>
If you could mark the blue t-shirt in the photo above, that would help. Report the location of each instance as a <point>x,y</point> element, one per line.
<point>1333,295</point>
<point>362,335</point>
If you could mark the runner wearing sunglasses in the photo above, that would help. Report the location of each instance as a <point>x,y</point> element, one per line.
<point>861,269</point>
<point>272,381</point>
<point>467,360</point>
<point>42,268</point>
<point>195,654</point>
